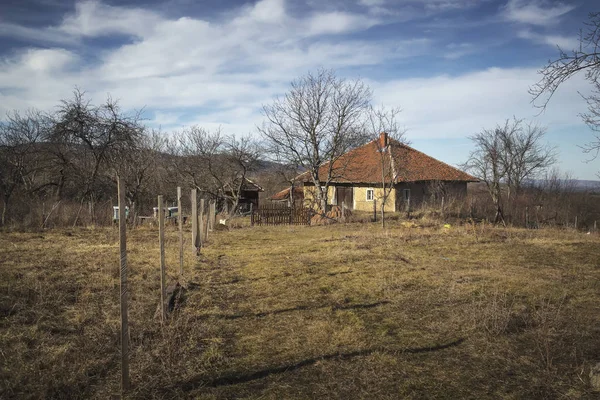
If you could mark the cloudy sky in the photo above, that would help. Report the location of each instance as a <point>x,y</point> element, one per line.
<point>453,66</point>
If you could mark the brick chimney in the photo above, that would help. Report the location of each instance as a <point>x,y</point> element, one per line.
<point>383,140</point>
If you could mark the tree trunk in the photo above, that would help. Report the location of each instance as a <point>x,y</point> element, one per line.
<point>78,212</point>
<point>4,208</point>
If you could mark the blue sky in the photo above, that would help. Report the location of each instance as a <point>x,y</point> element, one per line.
<point>453,66</point>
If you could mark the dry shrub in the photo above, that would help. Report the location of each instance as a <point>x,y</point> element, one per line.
<point>498,313</point>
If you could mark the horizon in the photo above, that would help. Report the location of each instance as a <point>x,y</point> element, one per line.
<point>454,67</point>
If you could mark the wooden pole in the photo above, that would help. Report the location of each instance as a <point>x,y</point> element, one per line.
<point>195,221</point>
<point>180,220</point>
<point>343,211</point>
<point>202,233</point>
<point>161,240</point>
<point>527,216</point>
<point>374,210</point>
<point>211,216</point>
<point>576,222</point>
<point>123,288</point>
<point>205,222</point>
<point>442,206</point>
<point>595,227</point>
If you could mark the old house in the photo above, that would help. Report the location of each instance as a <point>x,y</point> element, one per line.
<point>248,197</point>
<point>411,176</point>
<point>285,198</point>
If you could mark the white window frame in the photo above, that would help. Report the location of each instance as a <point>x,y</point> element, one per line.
<point>372,192</point>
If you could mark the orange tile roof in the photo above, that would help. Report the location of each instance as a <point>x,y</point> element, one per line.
<point>364,165</point>
<point>285,194</point>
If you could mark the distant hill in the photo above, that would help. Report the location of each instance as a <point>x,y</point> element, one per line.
<point>585,185</point>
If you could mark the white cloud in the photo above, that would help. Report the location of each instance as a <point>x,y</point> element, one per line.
<point>338,22</point>
<point>565,43</point>
<point>268,11</point>
<point>455,107</point>
<point>535,12</point>
<point>93,18</point>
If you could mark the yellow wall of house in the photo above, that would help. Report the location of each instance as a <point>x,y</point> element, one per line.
<point>359,195</point>
<point>362,204</point>
<point>310,196</point>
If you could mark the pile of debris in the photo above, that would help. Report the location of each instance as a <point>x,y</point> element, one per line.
<point>333,216</point>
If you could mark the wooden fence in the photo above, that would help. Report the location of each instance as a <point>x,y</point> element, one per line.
<point>280,214</point>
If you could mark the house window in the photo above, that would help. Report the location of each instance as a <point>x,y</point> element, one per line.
<point>370,195</point>
<point>406,193</point>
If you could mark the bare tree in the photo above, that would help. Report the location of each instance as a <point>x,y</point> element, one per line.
<point>485,162</point>
<point>216,164</point>
<point>136,167</point>
<point>315,123</point>
<point>20,136</point>
<point>524,154</point>
<point>585,59</point>
<point>381,125</point>
<point>92,133</point>
<point>508,155</point>
<point>242,156</point>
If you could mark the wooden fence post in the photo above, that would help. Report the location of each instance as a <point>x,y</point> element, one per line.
<point>206,223</point>
<point>195,221</point>
<point>251,214</point>
<point>161,240</point>
<point>575,222</point>
<point>180,220</point>
<point>211,216</point>
<point>374,210</point>
<point>343,211</point>
<point>595,227</point>
<point>526,216</point>
<point>123,288</point>
<point>202,232</point>
<point>443,198</point>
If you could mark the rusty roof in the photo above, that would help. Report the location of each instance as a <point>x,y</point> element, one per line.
<point>285,194</point>
<point>400,162</point>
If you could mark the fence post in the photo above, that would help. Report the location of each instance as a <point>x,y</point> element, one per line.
<point>201,224</point>
<point>374,210</point>
<point>575,222</point>
<point>123,288</point>
<point>195,221</point>
<point>595,227</point>
<point>442,206</point>
<point>343,211</point>
<point>161,240</point>
<point>212,216</point>
<point>526,216</point>
<point>206,224</point>
<point>251,214</point>
<point>180,221</point>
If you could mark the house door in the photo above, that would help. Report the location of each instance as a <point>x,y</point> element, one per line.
<point>344,193</point>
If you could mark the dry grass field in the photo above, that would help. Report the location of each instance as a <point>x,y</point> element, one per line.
<point>343,311</point>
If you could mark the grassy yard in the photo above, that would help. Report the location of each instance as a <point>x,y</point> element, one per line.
<point>343,311</point>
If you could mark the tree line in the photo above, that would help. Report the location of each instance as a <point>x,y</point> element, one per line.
<point>70,159</point>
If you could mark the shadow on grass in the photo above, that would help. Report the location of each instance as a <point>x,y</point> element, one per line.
<point>292,309</point>
<point>234,379</point>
